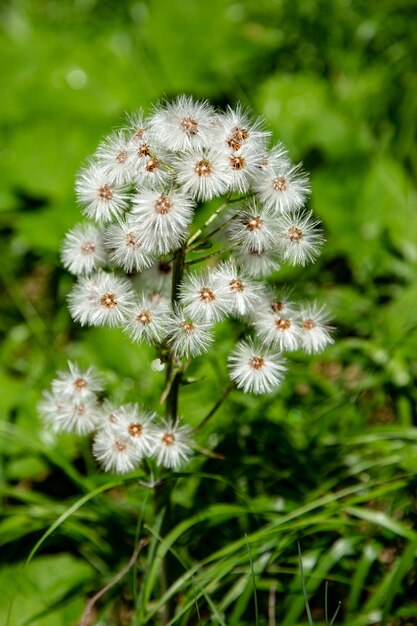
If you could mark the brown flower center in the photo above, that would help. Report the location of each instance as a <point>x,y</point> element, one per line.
<point>203,168</point>
<point>135,430</point>
<point>295,234</point>
<point>144,150</point>
<point>189,125</point>
<point>120,445</point>
<point>88,247</point>
<point>80,410</point>
<point>152,164</point>
<point>206,295</point>
<point>121,157</point>
<point>308,324</point>
<point>138,133</point>
<point>279,184</point>
<point>283,324</point>
<point>131,240</point>
<point>188,327</point>
<point>164,268</point>
<point>168,439</point>
<point>105,193</point>
<point>108,300</point>
<point>236,286</point>
<point>254,223</point>
<point>144,318</point>
<point>163,205</point>
<point>257,362</point>
<point>277,306</point>
<point>80,383</point>
<point>237,162</point>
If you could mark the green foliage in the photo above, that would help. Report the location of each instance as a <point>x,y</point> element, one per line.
<point>330,461</point>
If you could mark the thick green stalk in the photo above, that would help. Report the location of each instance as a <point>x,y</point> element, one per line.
<point>174,379</point>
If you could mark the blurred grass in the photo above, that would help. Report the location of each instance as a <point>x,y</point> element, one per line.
<point>331,460</point>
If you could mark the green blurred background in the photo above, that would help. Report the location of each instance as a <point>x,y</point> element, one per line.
<point>336,82</point>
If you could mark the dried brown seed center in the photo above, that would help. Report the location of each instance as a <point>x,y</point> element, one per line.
<point>276,306</point>
<point>144,317</point>
<point>169,439</point>
<point>108,300</point>
<point>283,324</point>
<point>188,327</point>
<point>257,362</point>
<point>237,162</point>
<point>236,286</point>
<point>135,430</point>
<point>207,295</point>
<point>88,248</point>
<point>105,193</point>
<point>189,125</point>
<point>131,240</point>
<point>121,157</point>
<point>120,445</point>
<point>138,134</point>
<point>80,410</point>
<point>239,134</point>
<point>163,205</point>
<point>279,184</point>
<point>144,150</point>
<point>80,383</point>
<point>152,165</point>
<point>295,234</point>
<point>254,223</point>
<point>308,324</point>
<point>164,268</point>
<point>203,168</point>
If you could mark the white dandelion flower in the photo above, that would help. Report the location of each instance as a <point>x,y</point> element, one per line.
<point>83,249</point>
<point>202,173</point>
<point>101,197</point>
<point>187,336</point>
<point>299,238</point>
<point>137,426</point>
<point>115,155</point>
<point>125,244</point>
<point>173,446</point>
<point>136,129</point>
<point>275,158</point>
<point>108,412</point>
<point>279,304</point>
<point>51,406</point>
<point>157,281</point>
<point>279,330</point>
<point>115,453</point>
<point>282,188</point>
<point>183,124</point>
<point>255,368</point>
<point>237,129</point>
<point>204,297</point>
<point>76,384</point>
<point>242,166</point>
<point>258,264</point>
<point>101,300</point>
<point>253,228</point>
<point>162,218</point>
<point>244,294</point>
<point>147,320</point>
<point>315,328</point>
<point>80,417</point>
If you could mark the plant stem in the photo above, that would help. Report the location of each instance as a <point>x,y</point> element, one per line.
<point>212,218</point>
<point>215,407</point>
<point>207,256</point>
<point>173,379</point>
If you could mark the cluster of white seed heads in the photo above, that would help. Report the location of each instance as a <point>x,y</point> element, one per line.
<point>135,259</point>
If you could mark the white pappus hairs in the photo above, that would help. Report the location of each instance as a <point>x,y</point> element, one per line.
<point>144,266</point>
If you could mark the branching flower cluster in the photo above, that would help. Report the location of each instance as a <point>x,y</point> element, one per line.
<point>135,261</point>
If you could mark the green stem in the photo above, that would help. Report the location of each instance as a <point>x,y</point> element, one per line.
<point>212,218</point>
<point>173,379</point>
<point>214,409</point>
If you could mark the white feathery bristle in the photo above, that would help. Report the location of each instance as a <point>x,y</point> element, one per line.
<point>244,294</point>
<point>238,129</point>
<point>280,331</point>
<point>173,445</point>
<point>124,241</point>
<point>258,264</point>
<point>162,218</point>
<point>204,297</point>
<point>114,453</point>
<point>115,156</point>
<point>283,188</point>
<point>101,300</point>
<point>77,385</point>
<point>300,238</point>
<point>183,124</point>
<point>188,336</point>
<point>255,368</point>
<point>253,228</point>
<point>83,249</point>
<point>137,426</point>
<point>101,197</point>
<point>242,166</point>
<point>202,173</point>
<point>315,328</point>
<point>147,320</point>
